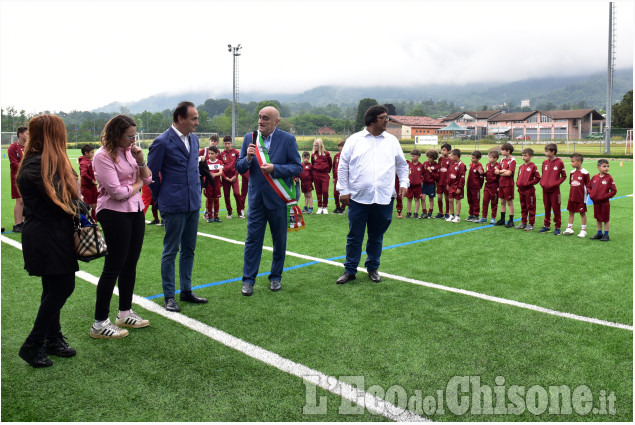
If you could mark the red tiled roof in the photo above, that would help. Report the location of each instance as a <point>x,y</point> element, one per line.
<point>513,116</point>
<point>416,121</point>
<point>453,116</point>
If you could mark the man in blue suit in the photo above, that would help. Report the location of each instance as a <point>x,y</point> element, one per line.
<point>265,206</point>
<point>173,159</point>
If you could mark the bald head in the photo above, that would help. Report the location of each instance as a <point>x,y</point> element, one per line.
<point>268,120</point>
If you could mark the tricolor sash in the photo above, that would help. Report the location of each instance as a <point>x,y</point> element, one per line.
<point>295,221</point>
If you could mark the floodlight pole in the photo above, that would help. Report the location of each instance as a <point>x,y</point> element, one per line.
<point>609,84</point>
<point>235,54</point>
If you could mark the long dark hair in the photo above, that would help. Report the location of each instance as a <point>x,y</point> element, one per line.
<point>113,131</point>
<point>47,136</point>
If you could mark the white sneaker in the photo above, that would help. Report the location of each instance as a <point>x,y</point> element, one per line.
<point>325,211</point>
<point>319,211</point>
<point>568,231</point>
<point>229,217</point>
<point>456,219</point>
<point>582,234</point>
<point>450,218</point>
<point>107,331</point>
<point>133,320</point>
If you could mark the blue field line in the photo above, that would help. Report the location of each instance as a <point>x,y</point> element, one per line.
<point>238,279</point>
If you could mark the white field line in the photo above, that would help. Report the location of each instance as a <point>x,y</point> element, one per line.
<point>451,289</point>
<point>371,403</point>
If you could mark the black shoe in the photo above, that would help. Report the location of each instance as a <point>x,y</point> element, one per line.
<point>509,224</point>
<point>155,221</point>
<point>274,285</point>
<point>171,305</point>
<point>34,355</point>
<point>374,276</point>
<point>346,277</point>
<point>58,347</point>
<point>248,289</point>
<point>605,238</point>
<point>191,297</point>
<point>500,222</point>
<point>597,236</point>
<point>545,229</point>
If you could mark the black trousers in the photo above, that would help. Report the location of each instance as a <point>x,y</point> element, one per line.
<point>123,233</point>
<point>55,291</point>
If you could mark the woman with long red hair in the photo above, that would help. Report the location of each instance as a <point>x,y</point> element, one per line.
<point>48,186</point>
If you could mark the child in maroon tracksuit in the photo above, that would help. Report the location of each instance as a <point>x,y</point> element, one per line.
<point>602,188</point>
<point>578,181</point>
<point>88,184</point>
<point>490,193</point>
<point>456,185</point>
<point>475,179</point>
<point>415,169</point>
<point>212,191</point>
<point>442,185</point>
<point>229,178</point>
<point>339,209</point>
<point>306,183</point>
<point>506,170</point>
<point>430,178</point>
<point>322,165</point>
<point>528,177</point>
<point>553,174</point>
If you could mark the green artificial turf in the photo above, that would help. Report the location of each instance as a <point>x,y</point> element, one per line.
<point>392,334</point>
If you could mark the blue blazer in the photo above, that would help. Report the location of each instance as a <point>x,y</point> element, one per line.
<point>284,156</point>
<point>178,189</point>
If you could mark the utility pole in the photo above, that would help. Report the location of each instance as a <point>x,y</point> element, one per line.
<point>609,85</point>
<point>235,54</point>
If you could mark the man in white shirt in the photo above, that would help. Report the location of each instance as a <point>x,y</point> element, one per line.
<point>366,182</point>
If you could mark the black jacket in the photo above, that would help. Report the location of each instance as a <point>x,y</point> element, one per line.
<point>47,235</point>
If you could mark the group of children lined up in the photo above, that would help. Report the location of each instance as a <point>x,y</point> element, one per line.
<point>316,167</point>
<point>447,179</point>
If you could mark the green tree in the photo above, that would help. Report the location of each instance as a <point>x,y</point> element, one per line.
<point>363,106</point>
<point>215,107</point>
<point>622,112</point>
<point>417,112</point>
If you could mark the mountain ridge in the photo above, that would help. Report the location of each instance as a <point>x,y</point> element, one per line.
<point>590,88</point>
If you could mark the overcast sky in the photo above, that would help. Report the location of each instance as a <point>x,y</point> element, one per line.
<point>82,55</point>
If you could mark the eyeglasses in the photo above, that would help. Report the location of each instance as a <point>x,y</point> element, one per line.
<point>385,118</point>
<point>132,138</point>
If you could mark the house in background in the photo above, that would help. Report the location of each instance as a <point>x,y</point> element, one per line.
<point>406,127</point>
<point>325,130</point>
<point>545,125</point>
<point>474,121</point>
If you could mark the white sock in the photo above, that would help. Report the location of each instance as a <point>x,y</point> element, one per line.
<point>570,226</point>
<point>584,227</point>
<point>99,323</point>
